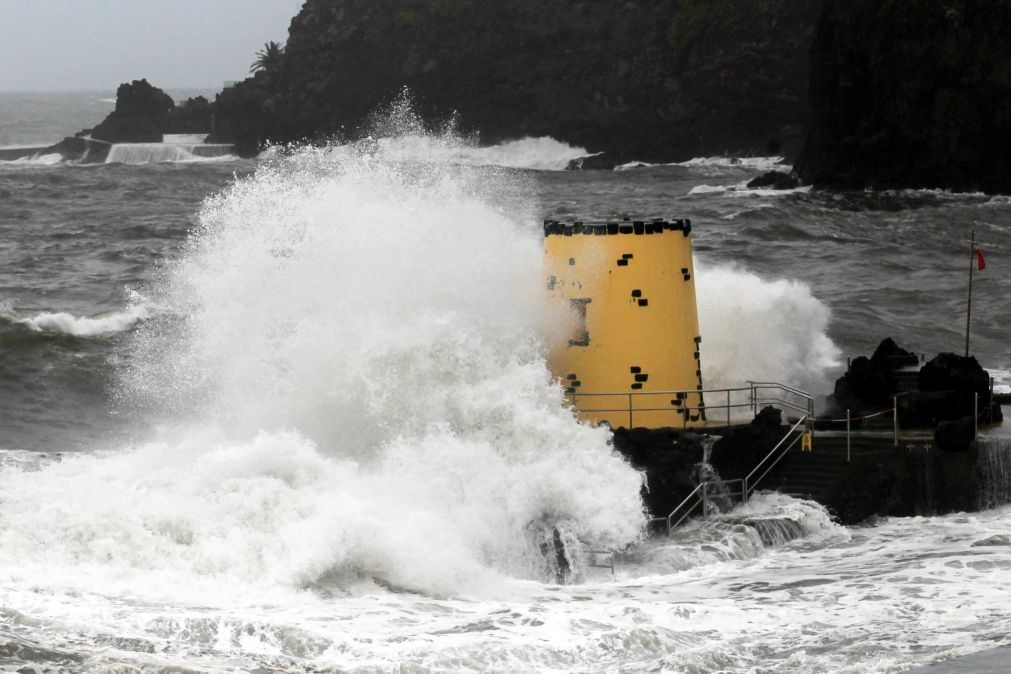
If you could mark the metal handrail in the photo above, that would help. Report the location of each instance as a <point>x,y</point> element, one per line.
<point>748,477</point>
<point>670,517</point>
<point>809,408</point>
<point>596,557</point>
<point>703,486</point>
<point>752,389</point>
<point>748,485</point>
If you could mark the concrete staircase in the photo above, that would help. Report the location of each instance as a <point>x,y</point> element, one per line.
<point>814,474</point>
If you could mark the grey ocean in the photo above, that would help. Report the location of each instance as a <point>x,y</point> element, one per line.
<point>292,414</point>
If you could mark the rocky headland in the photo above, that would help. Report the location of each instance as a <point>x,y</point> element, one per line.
<point>862,93</point>
<point>911,94</point>
<point>143,114</point>
<point>878,93</point>
<point>650,80</point>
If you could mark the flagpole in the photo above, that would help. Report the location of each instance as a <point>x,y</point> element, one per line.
<point>968,311</point>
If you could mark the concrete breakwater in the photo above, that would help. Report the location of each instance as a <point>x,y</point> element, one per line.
<point>93,151</point>
<point>865,474</point>
<point>899,440</point>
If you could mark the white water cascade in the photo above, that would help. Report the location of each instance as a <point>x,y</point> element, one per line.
<point>994,472</point>
<point>156,153</point>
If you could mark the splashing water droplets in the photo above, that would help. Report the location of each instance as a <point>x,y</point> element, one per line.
<point>350,363</point>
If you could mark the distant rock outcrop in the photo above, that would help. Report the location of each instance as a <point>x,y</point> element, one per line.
<point>144,114</point>
<point>194,116</point>
<point>141,115</point>
<point>911,94</point>
<point>651,80</point>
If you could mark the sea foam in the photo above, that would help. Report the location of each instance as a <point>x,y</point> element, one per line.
<point>540,154</point>
<point>348,365</point>
<point>762,330</point>
<point>86,326</point>
<point>349,368</point>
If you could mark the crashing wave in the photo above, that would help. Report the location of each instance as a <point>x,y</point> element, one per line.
<point>62,322</point>
<point>540,154</point>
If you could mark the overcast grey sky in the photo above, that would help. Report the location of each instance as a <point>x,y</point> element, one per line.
<point>54,45</point>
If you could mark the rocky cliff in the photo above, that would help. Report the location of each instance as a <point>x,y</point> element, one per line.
<point>141,115</point>
<point>144,113</point>
<point>911,93</point>
<point>643,79</point>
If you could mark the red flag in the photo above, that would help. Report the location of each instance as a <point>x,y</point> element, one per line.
<point>980,262</point>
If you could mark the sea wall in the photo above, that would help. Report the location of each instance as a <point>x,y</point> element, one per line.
<point>911,93</point>
<point>642,79</point>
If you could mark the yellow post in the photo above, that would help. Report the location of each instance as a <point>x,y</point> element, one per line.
<point>628,289</point>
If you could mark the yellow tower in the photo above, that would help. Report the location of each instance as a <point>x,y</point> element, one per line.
<point>631,357</point>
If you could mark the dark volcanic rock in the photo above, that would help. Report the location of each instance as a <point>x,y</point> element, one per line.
<point>775,180</point>
<point>951,372</point>
<point>955,436</point>
<point>889,354</point>
<point>668,457</point>
<point>652,80</point>
<point>246,116</point>
<point>78,148</point>
<point>911,94</point>
<point>141,115</point>
<point>864,388</point>
<point>602,161</point>
<point>741,449</point>
<point>193,116</point>
<point>957,381</point>
<point>944,389</point>
<point>73,148</point>
<point>869,383</point>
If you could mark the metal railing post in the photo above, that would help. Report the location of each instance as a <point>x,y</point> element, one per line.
<point>895,419</point>
<point>847,436</point>
<point>705,500</point>
<point>629,411</point>
<point>975,415</point>
<point>744,489</point>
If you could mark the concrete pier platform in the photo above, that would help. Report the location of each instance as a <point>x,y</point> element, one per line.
<point>15,153</point>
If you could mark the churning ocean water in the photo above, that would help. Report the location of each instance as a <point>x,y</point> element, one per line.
<point>293,414</point>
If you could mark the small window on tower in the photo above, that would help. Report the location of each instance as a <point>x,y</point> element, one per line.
<point>582,336</point>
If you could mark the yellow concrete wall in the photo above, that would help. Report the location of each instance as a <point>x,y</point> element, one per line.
<point>636,283</point>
